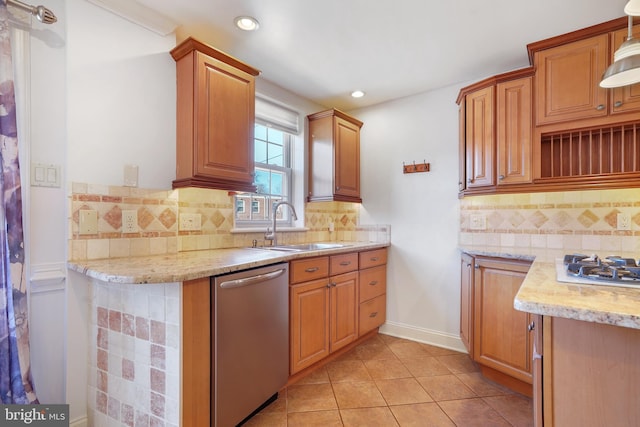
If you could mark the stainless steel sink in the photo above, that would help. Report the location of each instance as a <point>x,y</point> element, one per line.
<point>304,247</point>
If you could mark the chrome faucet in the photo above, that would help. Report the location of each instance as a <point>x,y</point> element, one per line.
<point>271,235</point>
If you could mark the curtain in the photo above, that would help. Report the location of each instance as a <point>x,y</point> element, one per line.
<point>15,374</point>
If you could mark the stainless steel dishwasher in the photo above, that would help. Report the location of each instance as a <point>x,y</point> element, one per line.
<point>251,341</point>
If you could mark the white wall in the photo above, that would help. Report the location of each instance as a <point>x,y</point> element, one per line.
<point>422,208</point>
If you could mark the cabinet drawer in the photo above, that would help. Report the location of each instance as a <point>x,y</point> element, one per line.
<point>372,314</point>
<point>309,269</point>
<point>345,263</point>
<point>373,258</point>
<point>373,282</point>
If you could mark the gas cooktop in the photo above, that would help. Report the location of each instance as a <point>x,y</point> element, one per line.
<point>591,269</point>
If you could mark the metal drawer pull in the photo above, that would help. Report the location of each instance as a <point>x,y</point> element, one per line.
<point>373,283</point>
<point>374,314</point>
<point>312,269</point>
<point>345,263</point>
<point>375,258</point>
<point>531,326</point>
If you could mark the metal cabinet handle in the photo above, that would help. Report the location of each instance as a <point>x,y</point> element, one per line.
<point>312,269</point>
<point>331,285</point>
<point>345,263</point>
<point>600,107</point>
<point>247,281</point>
<point>531,326</point>
<point>373,283</point>
<point>374,314</point>
<point>617,104</point>
<point>375,258</point>
<point>501,177</point>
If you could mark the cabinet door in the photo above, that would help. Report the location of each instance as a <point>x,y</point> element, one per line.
<point>568,80</point>
<point>343,313</point>
<point>513,124</point>
<point>466,302</point>
<point>500,338</point>
<point>480,138</point>
<point>462,173</point>
<point>347,158</point>
<point>627,98</point>
<point>309,323</point>
<point>225,115</point>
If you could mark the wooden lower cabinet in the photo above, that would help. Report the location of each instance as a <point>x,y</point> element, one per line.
<point>501,342</point>
<point>331,312</point>
<point>591,374</point>
<point>466,301</point>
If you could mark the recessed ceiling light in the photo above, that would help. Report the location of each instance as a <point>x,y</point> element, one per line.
<point>247,23</point>
<point>357,94</point>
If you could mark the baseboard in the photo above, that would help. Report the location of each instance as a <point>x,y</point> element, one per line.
<point>80,422</point>
<point>423,335</point>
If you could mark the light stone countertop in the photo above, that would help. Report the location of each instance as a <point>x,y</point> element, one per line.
<point>191,265</point>
<point>541,293</point>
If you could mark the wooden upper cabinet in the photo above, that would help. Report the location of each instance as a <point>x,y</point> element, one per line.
<point>514,124</point>
<point>215,119</point>
<point>568,78</point>
<point>627,98</point>
<point>334,157</point>
<point>479,137</point>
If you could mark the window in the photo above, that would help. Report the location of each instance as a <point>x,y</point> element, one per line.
<point>273,178</point>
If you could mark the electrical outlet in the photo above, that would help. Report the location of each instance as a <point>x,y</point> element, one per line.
<point>129,221</point>
<point>88,221</point>
<point>190,222</point>
<point>477,222</point>
<point>623,222</point>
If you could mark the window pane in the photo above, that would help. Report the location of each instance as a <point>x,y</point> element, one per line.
<point>260,132</point>
<point>258,208</point>
<point>276,155</point>
<point>262,181</point>
<point>260,154</point>
<point>275,136</point>
<point>277,180</point>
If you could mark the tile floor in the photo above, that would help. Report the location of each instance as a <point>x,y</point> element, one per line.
<point>388,381</point>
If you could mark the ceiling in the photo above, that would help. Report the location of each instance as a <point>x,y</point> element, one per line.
<point>323,50</point>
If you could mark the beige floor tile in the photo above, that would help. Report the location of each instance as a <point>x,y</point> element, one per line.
<point>472,413</point>
<point>386,369</point>
<point>439,351</point>
<point>446,387</point>
<point>363,394</point>
<point>368,417</point>
<point>402,391</point>
<point>516,409</point>
<point>315,418</point>
<point>374,349</point>
<point>459,363</point>
<point>310,397</point>
<point>421,415</point>
<point>425,367</point>
<point>482,386</point>
<point>387,339</point>
<point>408,349</point>
<point>318,376</point>
<point>347,370</point>
<point>268,419</point>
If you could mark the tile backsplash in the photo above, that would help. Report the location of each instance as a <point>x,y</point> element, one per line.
<point>552,223</point>
<point>158,213</point>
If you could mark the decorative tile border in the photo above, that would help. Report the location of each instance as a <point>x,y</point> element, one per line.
<point>158,218</point>
<point>577,220</point>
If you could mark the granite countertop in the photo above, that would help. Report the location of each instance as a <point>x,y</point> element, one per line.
<point>541,293</point>
<point>196,264</point>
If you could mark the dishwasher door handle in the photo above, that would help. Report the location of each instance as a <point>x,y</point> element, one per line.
<point>247,281</point>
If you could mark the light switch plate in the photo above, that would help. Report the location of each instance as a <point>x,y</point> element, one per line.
<point>45,175</point>
<point>88,221</point>
<point>623,222</point>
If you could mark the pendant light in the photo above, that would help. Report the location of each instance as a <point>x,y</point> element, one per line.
<point>625,69</point>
